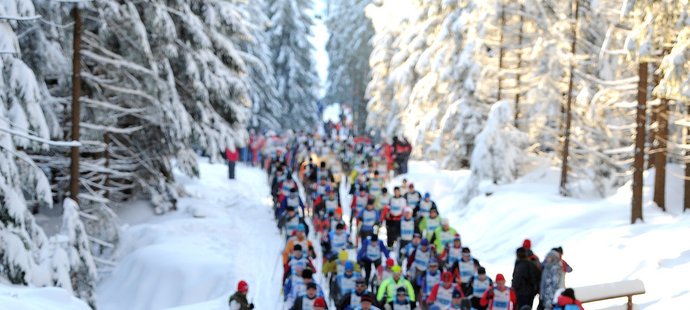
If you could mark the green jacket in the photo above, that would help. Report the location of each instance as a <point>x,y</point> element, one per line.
<point>389,287</point>
<point>440,236</point>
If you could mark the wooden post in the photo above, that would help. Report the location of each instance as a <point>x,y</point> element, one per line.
<point>76,109</point>
<point>519,65</point>
<point>568,113</point>
<point>630,303</point>
<point>638,164</point>
<point>500,51</point>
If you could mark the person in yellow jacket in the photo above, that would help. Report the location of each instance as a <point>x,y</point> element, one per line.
<point>337,266</point>
<point>390,286</point>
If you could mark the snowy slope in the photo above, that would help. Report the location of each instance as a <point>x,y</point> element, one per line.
<point>596,236</point>
<point>46,298</point>
<point>223,233</point>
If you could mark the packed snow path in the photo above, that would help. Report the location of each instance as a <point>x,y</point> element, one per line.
<point>223,232</point>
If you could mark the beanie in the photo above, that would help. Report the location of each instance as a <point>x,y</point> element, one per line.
<point>447,276</point>
<point>527,244</point>
<point>500,277</point>
<point>343,255</point>
<point>396,269</point>
<point>320,302</point>
<point>242,287</point>
<point>390,263</point>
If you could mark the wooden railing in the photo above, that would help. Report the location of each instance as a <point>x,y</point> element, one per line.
<point>593,293</point>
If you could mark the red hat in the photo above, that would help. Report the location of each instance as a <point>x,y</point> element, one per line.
<point>339,211</point>
<point>447,276</point>
<point>242,287</point>
<point>500,277</point>
<point>390,263</point>
<point>320,302</point>
<point>527,244</point>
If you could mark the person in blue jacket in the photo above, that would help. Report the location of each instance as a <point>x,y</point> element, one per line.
<point>370,254</point>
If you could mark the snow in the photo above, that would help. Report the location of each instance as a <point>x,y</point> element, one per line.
<point>223,232</point>
<point>47,298</point>
<point>596,235</point>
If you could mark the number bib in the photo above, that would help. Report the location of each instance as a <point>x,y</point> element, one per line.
<point>373,252</point>
<point>406,229</point>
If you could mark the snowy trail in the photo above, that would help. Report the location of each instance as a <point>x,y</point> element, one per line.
<point>194,257</point>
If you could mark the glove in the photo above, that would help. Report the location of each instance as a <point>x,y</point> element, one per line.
<point>251,306</point>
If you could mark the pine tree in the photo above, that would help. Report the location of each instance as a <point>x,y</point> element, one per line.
<point>349,48</point>
<point>292,60</point>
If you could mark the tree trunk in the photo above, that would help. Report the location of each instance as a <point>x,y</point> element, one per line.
<point>76,109</point>
<point>519,65</point>
<point>660,138</point>
<point>686,191</point>
<point>568,113</point>
<point>638,164</point>
<point>500,52</point>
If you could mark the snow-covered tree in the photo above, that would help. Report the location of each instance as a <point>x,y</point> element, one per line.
<point>499,151</point>
<point>349,48</point>
<point>261,80</point>
<point>292,61</point>
<point>83,271</point>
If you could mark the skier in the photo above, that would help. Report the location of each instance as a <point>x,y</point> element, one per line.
<point>443,235</point>
<point>392,215</point>
<point>383,200</point>
<point>452,253</point>
<point>425,207</point>
<point>358,203</point>
<point>291,221</point>
<point>480,284</point>
<point>429,224</point>
<point>375,184</point>
<point>420,258</point>
<point>299,238</point>
<point>337,219</point>
<point>339,239</point>
<point>367,303</point>
<point>442,293</point>
<point>367,219</point>
<point>297,286</point>
<point>353,299</point>
<point>330,203</point>
<point>287,186</point>
<point>526,278</point>
<point>401,301</point>
<point>426,281</point>
<point>238,301</point>
<point>499,297</point>
<point>407,231</point>
<point>370,254</point>
<point>296,263</point>
<point>346,282</point>
<point>390,286</point>
<point>410,247</point>
<point>310,299</point>
<point>551,280</point>
<point>458,302</point>
<point>465,269</point>
<point>413,197</point>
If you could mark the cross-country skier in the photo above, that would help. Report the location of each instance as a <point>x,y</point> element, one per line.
<point>238,301</point>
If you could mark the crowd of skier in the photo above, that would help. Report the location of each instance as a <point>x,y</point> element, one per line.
<point>391,250</point>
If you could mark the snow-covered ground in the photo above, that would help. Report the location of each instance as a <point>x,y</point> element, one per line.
<point>47,298</point>
<point>598,241</point>
<point>223,232</point>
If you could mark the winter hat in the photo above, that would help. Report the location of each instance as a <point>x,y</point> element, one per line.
<point>384,190</point>
<point>311,285</point>
<point>343,255</point>
<point>293,190</point>
<point>527,244</point>
<point>242,287</point>
<point>411,185</point>
<point>396,269</point>
<point>320,302</point>
<point>416,235</point>
<point>297,247</point>
<point>425,242</point>
<point>481,270</point>
<point>433,262</point>
<point>359,281</point>
<point>349,266</point>
<point>301,227</point>
<point>291,208</point>
<point>465,250</point>
<point>457,237</point>
<point>445,221</point>
<point>521,253</point>
<point>397,188</point>
<point>447,276</point>
<point>390,263</point>
<point>500,277</point>
<point>407,210</point>
<point>427,195</point>
<point>307,273</point>
<point>340,226</point>
<point>569,292</point>
<point>401,290</point>
<point>339,211</point>
<point>559,250</point>
<point>367,298</point>
<point>374,238</point>
<point>433,208</point>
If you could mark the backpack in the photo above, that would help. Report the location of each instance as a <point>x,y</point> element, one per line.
<point>567,307</point>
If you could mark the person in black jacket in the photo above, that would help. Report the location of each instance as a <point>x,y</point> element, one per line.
<point>525,280</point>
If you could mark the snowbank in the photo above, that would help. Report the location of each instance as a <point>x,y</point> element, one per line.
<point>598,241</point>
<point>223,233</point>
<point>46,298</point>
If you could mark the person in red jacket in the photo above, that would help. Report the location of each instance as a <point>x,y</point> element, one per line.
<point>232,155</point>
<point>568,298</point>
<point>499,297</point>
<point>442,293</point>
